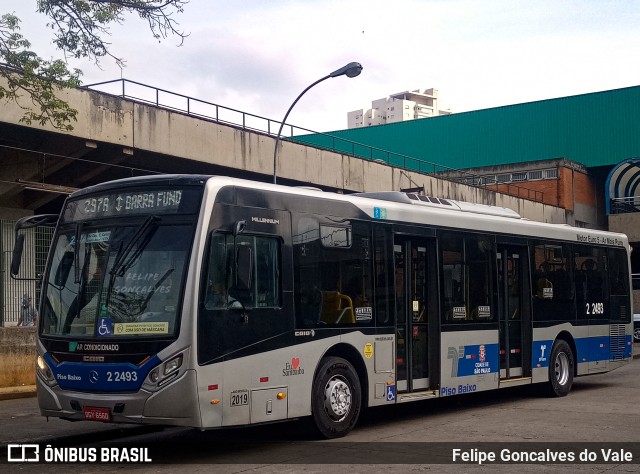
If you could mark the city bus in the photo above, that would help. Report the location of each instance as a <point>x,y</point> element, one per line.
<point>212,302</point>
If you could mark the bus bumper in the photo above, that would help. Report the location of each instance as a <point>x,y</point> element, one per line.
<point>176,404</point>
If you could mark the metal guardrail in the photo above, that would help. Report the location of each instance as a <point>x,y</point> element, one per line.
<point>625,205</point>
<point>202,109</point>
<point>176,102</point>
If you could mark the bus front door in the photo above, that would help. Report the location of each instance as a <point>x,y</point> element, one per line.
<point>411,257</point>
<point>513,312</point>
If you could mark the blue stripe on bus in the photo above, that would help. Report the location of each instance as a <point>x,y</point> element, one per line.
<point>100,377</point>
<point>589,349</point>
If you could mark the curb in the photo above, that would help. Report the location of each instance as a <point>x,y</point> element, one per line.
<point>13,393</point>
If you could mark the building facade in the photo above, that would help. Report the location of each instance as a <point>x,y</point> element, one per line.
<point>400,107</point>
<point>558,182</point>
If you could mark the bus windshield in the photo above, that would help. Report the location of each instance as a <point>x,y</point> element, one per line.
<point>116,280</point>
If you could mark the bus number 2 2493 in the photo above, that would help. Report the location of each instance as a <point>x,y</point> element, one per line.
<point>595,308</point>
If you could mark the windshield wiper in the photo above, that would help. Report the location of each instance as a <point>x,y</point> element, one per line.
<point>82,297</point>
<point>127,257</point>
<point>76,255</point>
<point>139,240</point>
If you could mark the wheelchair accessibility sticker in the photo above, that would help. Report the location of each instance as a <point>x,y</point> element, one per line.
<point>391,393</point>
<point>105,327</point>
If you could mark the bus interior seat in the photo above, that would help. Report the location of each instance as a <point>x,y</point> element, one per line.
<point>544,281</point>
<point>336,308</point>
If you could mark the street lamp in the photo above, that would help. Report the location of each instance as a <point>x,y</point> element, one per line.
<point>350,70</point>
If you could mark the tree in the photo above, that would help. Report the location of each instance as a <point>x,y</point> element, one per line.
<point>79,30</point>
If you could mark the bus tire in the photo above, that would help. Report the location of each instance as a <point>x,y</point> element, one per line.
<point>336,397</point>
<point>561,367</point>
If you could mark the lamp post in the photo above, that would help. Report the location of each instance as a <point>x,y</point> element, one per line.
<point>350,70</point>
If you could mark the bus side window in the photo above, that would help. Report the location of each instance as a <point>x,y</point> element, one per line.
<point>267,281</point>
<point>333,267</point>
<point>552,282</point>
<point>385,294</point>
<point>453,273</point>
<point>618,272</point>
<point>260,289</point>
<point>466,278</point>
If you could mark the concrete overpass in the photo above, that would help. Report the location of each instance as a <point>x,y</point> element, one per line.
<point>117,137</point>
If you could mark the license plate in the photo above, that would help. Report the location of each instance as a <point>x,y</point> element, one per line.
<point>96,414</point>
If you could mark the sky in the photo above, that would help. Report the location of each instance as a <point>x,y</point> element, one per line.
<point>258,55</point>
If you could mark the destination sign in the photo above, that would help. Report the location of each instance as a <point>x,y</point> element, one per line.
<point>164,201</point>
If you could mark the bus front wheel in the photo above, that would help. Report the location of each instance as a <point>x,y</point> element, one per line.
<point>561,368</point>
<point>336,397</point>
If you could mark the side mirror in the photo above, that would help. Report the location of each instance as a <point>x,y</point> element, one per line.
<point>239,227</point>
<point>16,257</point>
<point>62,273</point>
<point>244,267</point>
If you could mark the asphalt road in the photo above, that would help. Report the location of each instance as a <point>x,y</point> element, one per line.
<point>421,436</point>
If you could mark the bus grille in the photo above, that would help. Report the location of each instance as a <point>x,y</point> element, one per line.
<point>617,342</point>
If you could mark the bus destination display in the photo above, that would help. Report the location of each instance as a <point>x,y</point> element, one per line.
<point>125,204</point>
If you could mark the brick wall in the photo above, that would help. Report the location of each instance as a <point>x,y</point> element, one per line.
<point>571,187</point>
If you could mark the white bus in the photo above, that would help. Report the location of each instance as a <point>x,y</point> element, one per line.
<point>212,302</point>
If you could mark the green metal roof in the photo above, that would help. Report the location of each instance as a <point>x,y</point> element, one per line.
<point>596,129</point>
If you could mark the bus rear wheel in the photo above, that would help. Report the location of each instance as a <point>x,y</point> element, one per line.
<point>336,397</point>
<point>561,367</point>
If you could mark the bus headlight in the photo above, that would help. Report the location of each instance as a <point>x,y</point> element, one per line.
<point>154,375</point>
<point>45,372</point>
<point>167,371</point>
<point>172,365</point>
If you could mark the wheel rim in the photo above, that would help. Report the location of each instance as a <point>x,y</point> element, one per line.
<point>562,368</point>
<point>337,398</point>
<point>636,334</point>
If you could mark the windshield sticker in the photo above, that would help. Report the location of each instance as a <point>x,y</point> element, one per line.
<point>125,329</point>
<point>92,238</point>
<point>105,327</point>
<point>97,237</point>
